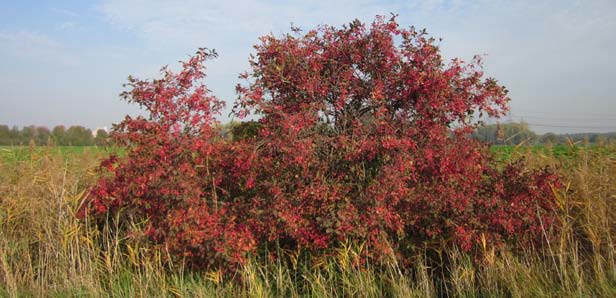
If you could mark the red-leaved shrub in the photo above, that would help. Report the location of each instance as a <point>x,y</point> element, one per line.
<point>363,136</point>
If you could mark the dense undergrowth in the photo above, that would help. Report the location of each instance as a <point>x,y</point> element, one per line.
<point>45,251</point>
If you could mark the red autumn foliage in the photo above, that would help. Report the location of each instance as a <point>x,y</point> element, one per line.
<point>363,137</point>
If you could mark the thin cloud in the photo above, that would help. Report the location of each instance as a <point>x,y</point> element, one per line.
<point>64,12</point>
<point>66,26</point>
<point>27,43</point>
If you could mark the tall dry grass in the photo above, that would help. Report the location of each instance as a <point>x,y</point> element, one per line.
<point>46,252</point>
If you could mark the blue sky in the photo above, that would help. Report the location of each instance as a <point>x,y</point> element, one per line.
<point>64,62</point>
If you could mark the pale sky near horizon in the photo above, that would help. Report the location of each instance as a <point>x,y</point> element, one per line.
<point>64,62</point>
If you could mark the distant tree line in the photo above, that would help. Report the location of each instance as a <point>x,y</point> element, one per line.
<point>519,133</point>
<point>504,133</point>
<point>81,136</point>
<point>59,135</point>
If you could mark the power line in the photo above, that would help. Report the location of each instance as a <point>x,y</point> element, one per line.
<point>564,126</point>
<point>563,119</point>
<point>522,118</point>
<point>568,126</point>
<point>611,116</point>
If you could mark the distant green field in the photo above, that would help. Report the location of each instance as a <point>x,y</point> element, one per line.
<point>21,153</point>
<point>507,152</point>
<point>501,152</point>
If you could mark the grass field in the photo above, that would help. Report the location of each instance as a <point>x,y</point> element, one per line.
<point>558,152</point>
<point>22,153</point>
<point>46,252</point>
